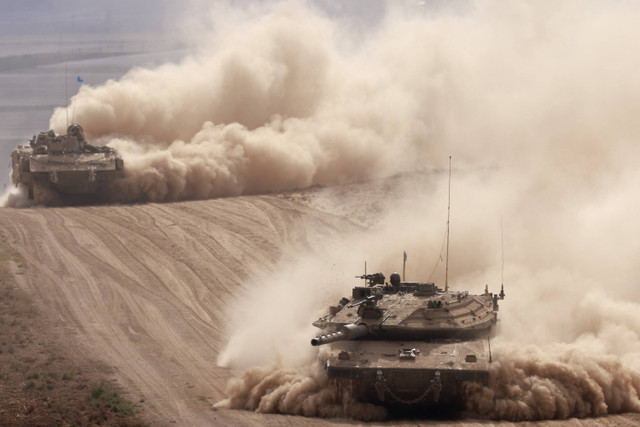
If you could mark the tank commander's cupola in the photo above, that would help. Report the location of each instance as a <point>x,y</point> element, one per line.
<point>394,279</point>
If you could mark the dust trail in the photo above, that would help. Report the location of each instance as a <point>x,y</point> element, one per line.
<point>254,112</point>
<point>269,337</point>
<point>536,103</point>
<point>14,197</point>
<point>17,197</point>
<point>274,100</point>
<point>554,382</point>
<point>302,391</point>
<point>596,371</point>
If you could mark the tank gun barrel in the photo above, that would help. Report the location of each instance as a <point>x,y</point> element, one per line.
<point>346,332</point>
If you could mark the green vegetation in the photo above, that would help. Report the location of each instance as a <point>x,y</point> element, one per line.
<point>105,393</point>
<point>42,381</point>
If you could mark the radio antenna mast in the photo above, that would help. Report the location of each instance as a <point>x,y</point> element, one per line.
<point>502,250</point>
<point>66,93</point>
<point>502,294</point>
<point>446,271</point>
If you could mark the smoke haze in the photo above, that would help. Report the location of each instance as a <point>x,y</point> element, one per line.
<point>536,101</point>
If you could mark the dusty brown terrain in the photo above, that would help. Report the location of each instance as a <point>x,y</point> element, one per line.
<point>45,377</point>
<point>143,289</point>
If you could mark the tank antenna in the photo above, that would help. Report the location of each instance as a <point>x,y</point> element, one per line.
<point>73,113</point>
<point>502,250</point>
<point>446,271</point>
<point>404,263</point>
<point>66,92</point>
<point>365,273</point>
<point>501,294</point>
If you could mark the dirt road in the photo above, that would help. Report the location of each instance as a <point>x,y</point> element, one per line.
<point>143,288</point>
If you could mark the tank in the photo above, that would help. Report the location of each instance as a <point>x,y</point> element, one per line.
<point>408,343</point>
<point>67,164</point>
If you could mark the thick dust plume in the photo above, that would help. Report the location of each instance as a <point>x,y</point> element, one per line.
<point>267,104</point>
<point>536,102</point>
<point>588,366</point>
<point>269,337</point>
<point>302,391</point>
<point>554,382</point>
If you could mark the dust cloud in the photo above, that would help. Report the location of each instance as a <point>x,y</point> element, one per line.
<point>303,391</point>
<point>536,103</point>
<point>263,107</point>
<point>554,382</point>
<point>535,100</point>
<point>281,371</point>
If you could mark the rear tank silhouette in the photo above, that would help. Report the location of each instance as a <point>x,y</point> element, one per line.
<point>408,343</point>
<point>66,164</point>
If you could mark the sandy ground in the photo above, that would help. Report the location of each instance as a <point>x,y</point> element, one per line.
<point>144,288</point>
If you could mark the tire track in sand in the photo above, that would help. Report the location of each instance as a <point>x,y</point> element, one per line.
<point>144,289</point>
<point>145,286</point>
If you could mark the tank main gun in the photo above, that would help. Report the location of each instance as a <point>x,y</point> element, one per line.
<point>344,332</point>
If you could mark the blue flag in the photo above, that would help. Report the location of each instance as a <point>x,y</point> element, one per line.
<point>80,80</point>
<point>405,255</point>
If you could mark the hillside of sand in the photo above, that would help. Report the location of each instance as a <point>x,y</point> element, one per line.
<point>147,289</point>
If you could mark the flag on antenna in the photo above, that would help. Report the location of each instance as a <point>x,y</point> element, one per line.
<point>80,80</point>
<point>405,255</point>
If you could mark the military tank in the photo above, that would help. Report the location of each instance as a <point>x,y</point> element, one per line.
<point>408,343</point>
<point>66,163</point>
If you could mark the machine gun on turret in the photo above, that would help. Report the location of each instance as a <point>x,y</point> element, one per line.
<point>373,279</point>
<point>370,300</point>
<point>368,307</point>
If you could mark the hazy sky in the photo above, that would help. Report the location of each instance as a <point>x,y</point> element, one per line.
<point>77,16</point>
<point>34,17</point>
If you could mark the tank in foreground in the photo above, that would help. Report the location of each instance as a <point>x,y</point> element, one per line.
<point>408,343</point>
<point>66,164</point>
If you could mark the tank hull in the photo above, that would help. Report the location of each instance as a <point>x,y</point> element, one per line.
<point>412,373</point>
<point>71,174</point>
<point>418,345</point>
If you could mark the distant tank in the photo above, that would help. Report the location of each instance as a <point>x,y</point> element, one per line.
<point>64,163</point>
<point>408,343</point>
